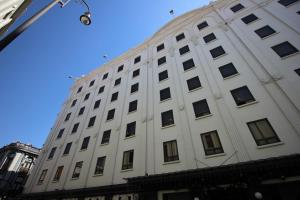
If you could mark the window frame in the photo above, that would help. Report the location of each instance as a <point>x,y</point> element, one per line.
<point>209,151</point>
<point>106,137</point>
<point>100,164</point>
<point>292,51</point>
<point>111,112</point>
<point>85,143</point>
<point>78,166</point>
<point>133,106</point>
<point>58,173</point>
<point>168,94</point>
<point>169,122</point>
<point>191,81</point>
<point>175,155</point>
<point>128,165</point>
<point>237,91</point>
<point>203,111</point>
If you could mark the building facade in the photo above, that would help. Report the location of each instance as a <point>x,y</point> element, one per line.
<point>16,162</point>
<point>208,107</point>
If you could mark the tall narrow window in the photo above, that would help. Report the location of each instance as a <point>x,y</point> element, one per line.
<point>287,2</point>
<point>114,97</point>
<point>284,49</point>
<point>202,25</point>
<point>180,37</point>
<point>97,104</point>
<point>135,73</point>
<point>262,132</point>
<point>52,152</point>
<point>163,75</point>
<point>165,94</point>
<point>127,160</point>
<point>81,111</point>
<point>265,31</point>
<point>43,176</point>
<point>79,89</point>
<point>92,121</point>
<point>193,83</point>
<point>58,173</point>
<point>137,59</point>
<point>101,89</point>
<point>117,81</point>
<point>170,151</point>
<point>132,106</point>
<point>227,70</point>
<point>100,165</point>
<point>188,64</point>
<point>92,83</point>
<point>106,137</point>
<point>167,118</point>
<point>60,133</point>
<point>67,148</point>
<point>87,96</point>
<point>249,18</point>
<point>216,52</point>
<point>242,95</point>
<point>130,129</point>
<point>105,76</point>
<point>120,68</point>
<point>201,108</point>
<point>68,117</point>
<point>161,60</point>
<point>160,47</point>
<point>75,127</point>
<point>211,143</point>
<point>134,88</point>
<point>110,114</point>
<point>77,169</point>
<point>184,50</point>
<point>210,37</point>
<point>237,7</point>
<point>74,102</point>
<point>85,143</point>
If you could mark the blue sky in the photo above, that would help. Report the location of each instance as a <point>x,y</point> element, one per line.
<point>34,68</point>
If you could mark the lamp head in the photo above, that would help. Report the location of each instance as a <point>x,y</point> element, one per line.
<point>86,18</point>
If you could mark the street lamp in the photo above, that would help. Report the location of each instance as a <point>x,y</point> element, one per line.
<point>85,19</point>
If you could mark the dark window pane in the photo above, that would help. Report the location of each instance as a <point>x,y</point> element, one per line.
<point>127,162</point>
<point>106,137</point>
<point>81,111</point>
<point>237,7</point>
<point>160,47</point>
<point>264,31</point>
<point>163,75</point>
<point>211,143</point>
<point>135,73</point>
<point>284,49</point>
<point>132,106</point>
<point>167,118</point>
<point>184,50</point>
<point>118,81</point>
<point>101,89</point>
<point>202,25</point>
<point>68,117</point>
<point>120,68</point>
<point>130,129</point>
<point>77,169</point>
<point>242,95</point>
<point>92,121</point>
<point>201,108</point>
<point>67,148</point>
<point>52,152</point>
<point>85,143</point>
<point>92,83</point>
<point>114,96</point>
<point>75,127</point>
<point>165,94</point>
<point>79,89</point>
<point>193,83</point>
<point>61,131</point>
<point>216,52</point>
<point>188,64</point>
<point>110,114</point>
<point>297,71</point>
<point>137,59</point>
<point>134,88</point>
<point>74,102</point>
<point>42,177</point>
<point>105,76</point>
<point>287,2</point>
<point>210,37</point>
<point>170,151</point>
<point>228,70</point>
<point>58,173</point>
<point>180,37</point>
<point>100,165</point>
<point>97,104</point>
<point>161,61</point>
<point>249,18</point>
<point>87,96</point>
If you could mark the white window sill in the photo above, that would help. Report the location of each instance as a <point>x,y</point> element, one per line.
<point>269,145</point>
<point>204,116</point>
<point>163,127</point>
<point>285,57</point>
<point>74,179</point>
<point>127,170</point>
<point>108,120</point>
<point>185,53</point>
<point>252,21</point>
<point>163,80</point>
<point>132,112</point>
<point>247,104</point>
<point>171,162</point>
<point>132,136</point>
<point>165,100</point>
<point>269,36</point>
<point>131,93</point>
<point>162,64</point>
<point>81,150</point>
<point>104,144</point>
<point>64,155</point>
<point>193,90</point>
<point>215,155</point>
<point>220,56</point>
<point>96,175</point>
<point>189,69</point>
<point>231,76</point>
<point>211,41</point>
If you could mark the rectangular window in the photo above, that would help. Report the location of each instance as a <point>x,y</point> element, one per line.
<point>184,50</point>
<point>167,118</point>
<point>97,104</point>
<point>237,7</point>
<point>265,31</point>
<point>180,37</point>
<point>137,59</point>
<point>134,88</point>
<point>165,94</point>
<point>170,151</point>
<point>130,129</point>
<point>163,75</point>
<point>227,70</point>
<point>210,37</point>
<point>193,83</point>
<point>77,169</point>
<point>287,2</point>
<point>100,165</point>
<point>58,173</point>
<point>127,160</point>
<point>75,127</point>
<point>249,18</point>
<point>87,96</point>
<point>85,143</point>
<point>74,103</point>
<point>52,152</point>
<point>161,60</point>
<point>106,137</point>
<point>160,47</point>
<point>135,73</point>
<point>105,76</point>
<point>120,68</point>
<point>117,81</point>
<point>92,83</point>
<point>188,64</point>
<point>60,133</point>
<point>284,49</point>
<point>201,108</point>
<point>211,143</point>
<point>110,114</point>
<point>297,71</point>
<point>216,52</point>
<point>81,111</point>
<point>202,25</point>
<point>114,96</point>
<point>101,89</point>
<point>92,121</point>
<point>68,117</point>
<point>262,132</point>
<point>132,106</point>
<point>242,95</point>
<point>67,148</point>
<point>43,176</point>
<point>79,89</point>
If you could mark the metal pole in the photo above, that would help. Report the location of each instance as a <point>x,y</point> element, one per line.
<point>14,34</point>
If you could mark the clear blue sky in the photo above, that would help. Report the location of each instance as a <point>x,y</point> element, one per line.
<point>34,68</point>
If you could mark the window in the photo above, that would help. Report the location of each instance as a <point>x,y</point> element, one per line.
<point>92,83</point>
<point>167,118</point>
<point>114,96</point>
<point>74,103</point>
<point>110,114</point>
<point>87,96</point>
<point>130,129</point>
<point>237,7</point>
<point>8,15</point>
<point>227,70</point>
<point>105,137</point>
<point>165,94</point>
<point>105,76</point>
<point>52,152</point>
<point>100,165</point>
<point>43,176</point>
<point>242,95</point>
<point>262,132</point>
<point>180,37</point>
<point>101,89</point>
<point>135,73</point>
<point>216,52</point>
<point>211,143</point>
<point>201,108</point>
<point>77,169</point>
<point>193,83</point>
<point>161,60</point>
<point>85,143</point>
<point>127,160</point>
<point>97,104</point>
<point>68,117</point>
<point>202,25</point>
<point>92,121</point>
<point>67,148</point>
<point>287,2</point>
<point>58,173</point>
<point>81,111</point>
<point>79,89</point>
<point>170,151</point>
<point>134,88</point>
<point>137,59</point>
<point>75,127</point>
<point>184,50</point>
<point>163,75</point>
<point>284,49</point>
<point>210,37</point>
<point>249,18</point>
<point>188,64</point>
<point>60,133</point>
<point>132,106</point>
<point>265,31</point>
<point>160,47</point>
<point>297,71</point>
<point>118,81</point>
<point>120,68</point>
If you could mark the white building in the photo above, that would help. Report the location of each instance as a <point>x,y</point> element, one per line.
<point>217,88</point>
